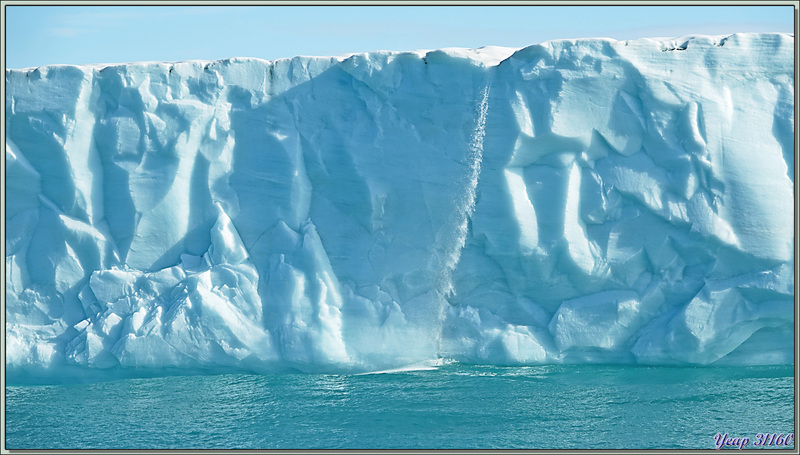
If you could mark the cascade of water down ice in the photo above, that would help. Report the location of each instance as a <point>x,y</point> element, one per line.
<point>465,205</point>
<point>448,250</point>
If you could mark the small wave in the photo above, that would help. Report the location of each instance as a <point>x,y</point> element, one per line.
<point>426,365</point>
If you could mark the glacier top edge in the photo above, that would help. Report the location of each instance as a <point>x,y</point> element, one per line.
<point>488,55</point>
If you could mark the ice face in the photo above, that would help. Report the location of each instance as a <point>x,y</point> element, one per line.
<point>574,201</point>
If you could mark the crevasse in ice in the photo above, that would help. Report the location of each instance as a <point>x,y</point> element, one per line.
<point>573,201</point>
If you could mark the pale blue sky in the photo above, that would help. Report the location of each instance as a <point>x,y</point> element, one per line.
<point>41,35</point>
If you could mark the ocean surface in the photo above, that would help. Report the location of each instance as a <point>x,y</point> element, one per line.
<point>452,407</point>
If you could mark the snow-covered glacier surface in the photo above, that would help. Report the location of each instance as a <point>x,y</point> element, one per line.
<point>574,201</point>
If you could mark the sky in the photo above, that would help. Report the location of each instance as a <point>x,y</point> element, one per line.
<point>43,35</point>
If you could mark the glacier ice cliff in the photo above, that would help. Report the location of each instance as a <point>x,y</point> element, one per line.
<point>573,201</point>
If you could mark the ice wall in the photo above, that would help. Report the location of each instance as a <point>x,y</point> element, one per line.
<point>574,201</point>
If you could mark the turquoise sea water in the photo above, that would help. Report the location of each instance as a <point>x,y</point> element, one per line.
<point>452,407</point>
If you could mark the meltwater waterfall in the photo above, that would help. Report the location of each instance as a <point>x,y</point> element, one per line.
<point>325,214</point>
<point>448,247</point>
<point>464,205</point>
